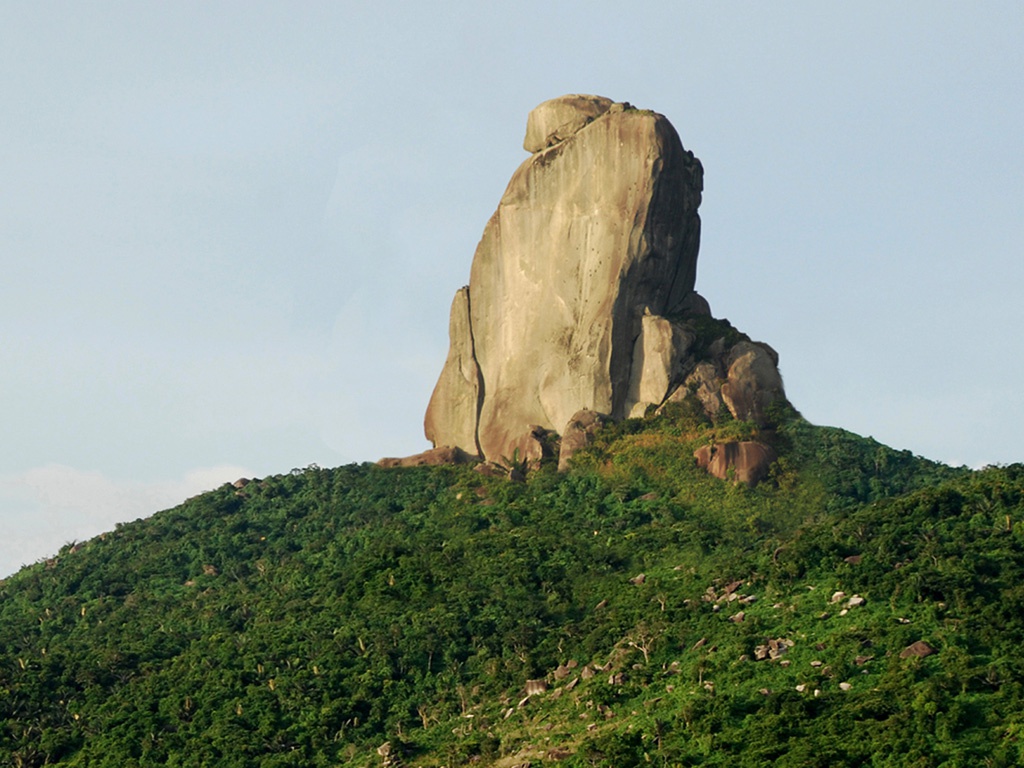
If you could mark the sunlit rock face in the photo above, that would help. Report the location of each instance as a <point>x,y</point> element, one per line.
<point>593,245</point>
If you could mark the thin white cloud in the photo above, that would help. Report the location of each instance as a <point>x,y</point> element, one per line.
<point>45,507</point>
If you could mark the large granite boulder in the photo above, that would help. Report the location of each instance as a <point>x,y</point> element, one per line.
<point>597,228</point>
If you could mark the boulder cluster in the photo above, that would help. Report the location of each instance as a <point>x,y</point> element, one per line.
<point>581,305</point>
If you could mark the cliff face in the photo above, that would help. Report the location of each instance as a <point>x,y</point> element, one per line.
<point>594,241</point>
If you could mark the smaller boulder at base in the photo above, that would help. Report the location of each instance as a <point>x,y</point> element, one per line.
<point>748,461</point>
<point>578,433</point>
<point>444,454</point>
<point>920,649</point>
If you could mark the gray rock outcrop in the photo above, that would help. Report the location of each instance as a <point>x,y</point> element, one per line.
<point>597,229</point>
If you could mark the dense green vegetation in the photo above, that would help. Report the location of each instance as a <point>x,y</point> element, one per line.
<point>309,617</point>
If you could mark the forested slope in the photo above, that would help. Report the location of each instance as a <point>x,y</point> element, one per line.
<point>308,618</point>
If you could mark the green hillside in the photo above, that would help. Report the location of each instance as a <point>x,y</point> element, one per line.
<point>308,618</point>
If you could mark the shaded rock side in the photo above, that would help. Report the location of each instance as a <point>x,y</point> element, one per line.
<point>592,231</point>
<point>746,462</point>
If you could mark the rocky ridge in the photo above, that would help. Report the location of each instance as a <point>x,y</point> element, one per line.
<point>581,305</point>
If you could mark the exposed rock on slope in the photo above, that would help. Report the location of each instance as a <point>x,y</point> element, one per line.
<point>746,462</point>
<point>444,454</point>
<point>598,226</point>
<point>578,433</point>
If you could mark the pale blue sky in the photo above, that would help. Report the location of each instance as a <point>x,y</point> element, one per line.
<point>230,232</point>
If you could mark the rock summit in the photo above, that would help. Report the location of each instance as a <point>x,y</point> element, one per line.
<point>580,288</point>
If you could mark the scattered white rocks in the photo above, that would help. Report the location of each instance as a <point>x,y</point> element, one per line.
<point>773,649</point>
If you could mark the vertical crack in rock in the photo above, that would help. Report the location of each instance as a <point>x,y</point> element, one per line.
<point>454,408</point>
